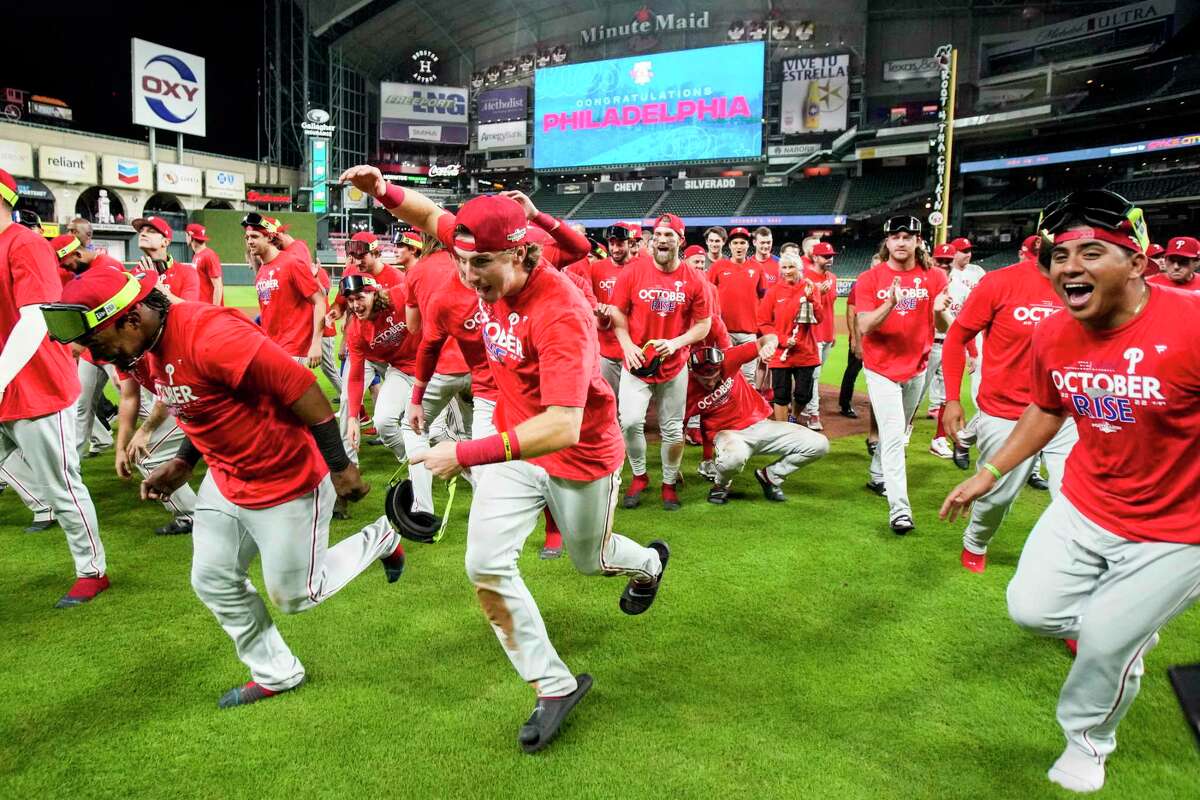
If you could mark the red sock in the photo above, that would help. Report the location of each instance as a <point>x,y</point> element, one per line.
<point>553,536</point>
<point>941,429</point>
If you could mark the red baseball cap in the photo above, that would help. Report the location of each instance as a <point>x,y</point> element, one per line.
<point>823,249</point>
<point>366,236</point>
<point>739,233</point>
<point>962,244</point>
<point>946,251</point>
<point>197,231</point>
<point>65,244</point>
<point>261,223</point>
<point>670,221</point>
<point>634,228</point>
<point>157,223</point>
<point>493,222</point>
<point>101,291</point>
<point>8,188</point>
<point>1184,246</point>
<point>1155,250</point>
<point>1031,245</point>
<point>694,250</point>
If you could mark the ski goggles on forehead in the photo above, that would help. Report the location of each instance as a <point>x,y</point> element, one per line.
<point>256,220</point>
<point>69,322</point>
<point>618,232</point>
<point>357,249</point>
<point>353,284</point>
<point>898,224</point>
<point>706,360</point>
<point>1099,208</point>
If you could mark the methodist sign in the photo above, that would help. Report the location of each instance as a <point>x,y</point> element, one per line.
<point>168,89</point>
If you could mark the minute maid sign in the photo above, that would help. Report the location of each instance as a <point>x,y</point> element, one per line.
<point>646,23</point>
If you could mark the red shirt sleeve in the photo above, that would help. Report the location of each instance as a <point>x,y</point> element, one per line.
<point>1043,391</point>
<point>572,244</point>
<point>34,269</point>
<point>433,337</point>
<point>954,359</point>
<point>735,357</point>
<point>563,380</point>
<point>187,283</point>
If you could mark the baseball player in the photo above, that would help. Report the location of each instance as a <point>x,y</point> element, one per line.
<point>232,390</point>
<point>38,389</point>
<point>899,304</point>
<point>1155,263</point>
<point>636,250</point>
<point>763,241</point>
<point>154,237</point>
<point>558,447</point>
<point>603,275</point>
<point>658,310</point>
<point>290,301</point>
<point>740,283</point>
<point>792,311</point>
<point>1006,307</point>
<point>329,366</point>
<point>208,266</point>
<point>962,277</point>
<point>156,442</point>
<point>1181,258</point>
<point>408,248</point>
<point>1115,557</point>
<point>714,244</point>
<point>820,274</point>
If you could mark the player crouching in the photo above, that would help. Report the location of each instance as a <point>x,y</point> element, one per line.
<point>275,459</point>
<point>719,393</point>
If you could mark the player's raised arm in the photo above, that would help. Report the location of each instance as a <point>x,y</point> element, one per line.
<point>408,205</point>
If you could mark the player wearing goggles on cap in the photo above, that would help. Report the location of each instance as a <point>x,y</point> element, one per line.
<point>290,300</point>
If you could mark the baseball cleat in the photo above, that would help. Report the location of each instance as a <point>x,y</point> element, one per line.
<point>814,423</point>
<point>1037,481</point>
<point>974,562</point>
<point>639,595</point>
<point>962,456</point>
<point>707,470</point>
<point>849,412</point>
<point>39,525</point>
<point>877,487</point>
<point>393,565</point>
<point>633,498</point>
<point>175,527</point>
<point>770,490</point>
<point>83,591</point>
<point>902,525</point>
<point>718,495</point>
<point>940,447</point>
<point>670,499</point>
<point>249,692</point>
<point>872,447</point>
<point>548,715</point>
<point>1078,772</point>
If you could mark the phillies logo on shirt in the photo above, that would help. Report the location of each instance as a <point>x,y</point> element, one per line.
<point>393,333</point>
<point>664,301</point>
<point>174,397</point>
<point>1108,397</point>
<point>1038,312</point>
<point>718,396</point>
<point>266,287</point>
<point>504,343</point>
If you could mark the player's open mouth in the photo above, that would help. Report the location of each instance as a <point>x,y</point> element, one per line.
<point>1078,294</point>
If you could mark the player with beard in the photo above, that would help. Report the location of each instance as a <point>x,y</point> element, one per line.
<point>740,285</point>
<point>658,309</point>
<point>741,420</point>
<point>820,274</point>
<point>1116,555</point>
<point>899,304</point>
<point>603,275</point>
<point>558,446</point>
<point>1182,257</point>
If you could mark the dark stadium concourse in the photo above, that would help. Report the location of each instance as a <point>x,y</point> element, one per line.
<point>681,398</point>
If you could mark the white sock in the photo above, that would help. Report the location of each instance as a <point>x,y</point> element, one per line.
<point>1078,772</point>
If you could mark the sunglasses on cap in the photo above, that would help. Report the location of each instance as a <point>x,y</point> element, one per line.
<point>706,360</point>
<point>898,224</point>
<point>69,322</point>
<point>353,284</point>
<point>618,232</point>
<point>357,249</point>
<point>257,220</point>
<point>1099,208</point>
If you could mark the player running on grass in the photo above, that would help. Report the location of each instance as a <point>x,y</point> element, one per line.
<point>1116,556</point>
<point>559,445</point>
<point>275,459</point>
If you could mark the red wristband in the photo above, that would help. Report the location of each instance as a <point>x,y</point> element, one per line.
<point>492,450</point>
<point>418,395</point>
<point>392,196</point>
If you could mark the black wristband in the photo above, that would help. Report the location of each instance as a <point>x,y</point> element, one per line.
<point>329,442</point>
<point>188,453</point>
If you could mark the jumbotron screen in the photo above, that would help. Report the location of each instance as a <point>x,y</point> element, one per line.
<point>689,105</point>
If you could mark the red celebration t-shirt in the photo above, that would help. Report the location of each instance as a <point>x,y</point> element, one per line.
<point>383,339</point>
<point>208,267</point>
<point>603,275</point>
<point>777,314</point>
<point>454,313</point>
<point>284,287</point>
<point>739,286</point>
<point>1134,392</point>
<point>182,280</point>
<point>899,348</point>
<point>732,404</point>
<point>827,282</point>
<point>426,279</point>
<point>661,305</point>
<point>1161,279</point>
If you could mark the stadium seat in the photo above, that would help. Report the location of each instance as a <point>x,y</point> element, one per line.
<point>553,203</point>
<point>872,191</point>
<point>617,205</point>
<point>809,196</point>
<point>710,203</point>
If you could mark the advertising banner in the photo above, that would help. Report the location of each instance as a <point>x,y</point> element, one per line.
<point>439,134</point>
<point>179,179</point>
<point>224,185</point>
<point>648,185</point>
<point>318,175</point>
<point>16,158</point>
<point>168,88</point>
<point>61,164</point>
<point>572,188</point>
<point>134,173</point>
<point>688,105</point>
<point>502,135</point>
<point>906,68</point>
<point>503,105</point>
<point>268,195</point>
<point>816,93</point>
<point>412,102</point>
<point>740,182</point>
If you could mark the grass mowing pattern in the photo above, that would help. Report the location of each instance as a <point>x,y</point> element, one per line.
<point>796,650</point>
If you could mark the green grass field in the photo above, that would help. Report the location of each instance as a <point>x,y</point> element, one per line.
<point>799,650</point>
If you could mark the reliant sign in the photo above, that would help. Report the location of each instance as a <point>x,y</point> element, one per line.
<point>61,164</point>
